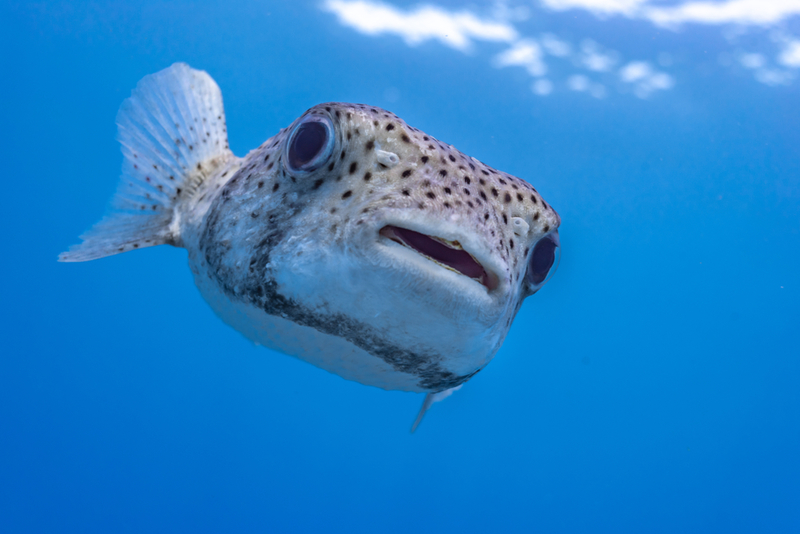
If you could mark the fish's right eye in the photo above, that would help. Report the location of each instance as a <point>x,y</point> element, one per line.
<point>544,260</point>
<point>310,144</point>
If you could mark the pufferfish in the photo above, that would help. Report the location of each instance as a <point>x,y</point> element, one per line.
<point>350,239</point>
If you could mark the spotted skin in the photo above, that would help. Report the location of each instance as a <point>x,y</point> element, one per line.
<point>272,250</point>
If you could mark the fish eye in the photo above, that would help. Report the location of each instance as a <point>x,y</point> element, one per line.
<point>544,260</point>
<point>310,144</point>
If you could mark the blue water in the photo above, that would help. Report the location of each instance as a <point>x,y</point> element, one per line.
<point>651,386</point>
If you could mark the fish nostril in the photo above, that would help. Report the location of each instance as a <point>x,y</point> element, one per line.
<point>520,226</point>
<point>388,159</point>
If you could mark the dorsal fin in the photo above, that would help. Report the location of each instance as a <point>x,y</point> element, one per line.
<point>173,135</point>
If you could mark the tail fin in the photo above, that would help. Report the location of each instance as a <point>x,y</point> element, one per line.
<point>172,131</point>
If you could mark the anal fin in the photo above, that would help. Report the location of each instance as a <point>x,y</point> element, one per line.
<point>430,399</point>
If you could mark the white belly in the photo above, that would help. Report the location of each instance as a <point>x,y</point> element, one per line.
<point>332,353</point>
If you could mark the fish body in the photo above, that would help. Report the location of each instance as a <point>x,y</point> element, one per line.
<point>349,239</point>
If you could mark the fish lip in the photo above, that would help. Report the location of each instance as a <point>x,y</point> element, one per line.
<point>399,233</point>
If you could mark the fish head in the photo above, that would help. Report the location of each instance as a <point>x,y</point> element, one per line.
<point>401,240</point>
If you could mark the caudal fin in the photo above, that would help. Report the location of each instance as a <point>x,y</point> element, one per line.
<point>173,134</point>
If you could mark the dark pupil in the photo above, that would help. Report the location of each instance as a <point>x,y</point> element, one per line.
<point>544,254</point>
<point>307,143</point>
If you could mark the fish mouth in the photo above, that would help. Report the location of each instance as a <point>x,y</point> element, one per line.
<point>448,254</point>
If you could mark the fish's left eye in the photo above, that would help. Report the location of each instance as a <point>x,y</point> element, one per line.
<point>544,260</point>
<point>310,144</point>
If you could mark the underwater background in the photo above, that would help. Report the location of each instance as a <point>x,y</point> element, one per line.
<point>653,385</point>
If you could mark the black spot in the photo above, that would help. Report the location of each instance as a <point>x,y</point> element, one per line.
<point>347,194</point>
<point>353,167</point>
<point>370,144</point>
<point>451,157</point>
<point>254,215</point>
<point>390,126</point>
<point>430,195</point>
<point>505,219</point>
<point>494,192</point>
<point>367,176</point>
<point>507,198</point>
<point>318,183</point>
<point>533,199</point>
<point>467,180</point>
<point>405,138</point>
<point>343,154</point>
<point>406,173</point>
<point>546,228</point>
<point>443,172</point>
<point>406,192</point>
<point>260,184</point>
<point>330,167</point>
<point>483,195</point>
<point>511,243</point>
<point>275,187</point>
<point>447,190</point>
<point>424,159</point>
<point>536,216</point>
<point>466,192</point>
<point>519,197</point>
